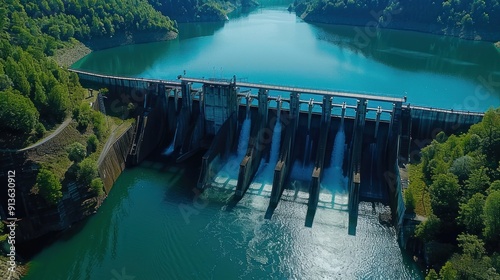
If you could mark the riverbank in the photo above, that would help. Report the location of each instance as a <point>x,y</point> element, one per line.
<point>76,50</point>
<point>78,201</point>
<point>408,18</point>
<point>367,26</point>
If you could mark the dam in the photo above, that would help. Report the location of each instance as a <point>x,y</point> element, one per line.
<point>264,138</point>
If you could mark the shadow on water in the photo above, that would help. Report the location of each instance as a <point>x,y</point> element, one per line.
<point>146,56</point>
<point>417,52</point>
<point>30,249</point>
<point>198,29</point>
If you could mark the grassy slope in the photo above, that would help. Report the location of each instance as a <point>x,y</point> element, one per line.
<point>418,188</point>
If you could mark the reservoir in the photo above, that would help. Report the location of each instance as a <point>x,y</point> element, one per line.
<point>273,46</point>
<point>154,226</point>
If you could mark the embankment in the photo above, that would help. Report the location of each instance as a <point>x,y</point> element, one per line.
<point>36,217</point>
<point>112,160</point>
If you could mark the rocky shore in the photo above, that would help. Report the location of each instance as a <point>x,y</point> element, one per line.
<point>65,57</point>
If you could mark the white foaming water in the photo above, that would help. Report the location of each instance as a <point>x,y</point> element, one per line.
<point>265,172</point>
<point>168,151</point>
<point>231,168</point>
<point>333,178</point>
<point>303,172</point>
<point>244,137</point>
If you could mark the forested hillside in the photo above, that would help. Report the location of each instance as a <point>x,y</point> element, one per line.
<point>477,19</point>
<point>34,91</point>
<point>85,19</point>
<point>199,10</point>
<point>460,178</point>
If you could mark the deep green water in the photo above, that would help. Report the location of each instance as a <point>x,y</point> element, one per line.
<point>151,226</point>
<point>141,228</point>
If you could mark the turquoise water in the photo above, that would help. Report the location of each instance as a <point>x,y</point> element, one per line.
<point>274,46</point>
<point>151,227</point>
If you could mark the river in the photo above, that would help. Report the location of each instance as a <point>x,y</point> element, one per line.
<point>152,225</point>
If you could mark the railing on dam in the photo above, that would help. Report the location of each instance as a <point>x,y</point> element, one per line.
<point>331,93</point>
<point>111,80</point>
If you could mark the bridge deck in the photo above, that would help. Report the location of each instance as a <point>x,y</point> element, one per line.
<point>301,90</point>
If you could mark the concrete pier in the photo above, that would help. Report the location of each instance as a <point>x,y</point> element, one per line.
<point>354,165</point>
<point>285,162</point>
<point>314,188</point>
<point>256,146</point>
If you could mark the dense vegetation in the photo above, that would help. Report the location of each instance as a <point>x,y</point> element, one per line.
<point>87,19</point>
<point>34,91</point>
<point>37,94</point>
<point>199,10</point>
<point>471,19</point>
<point>462,177</point>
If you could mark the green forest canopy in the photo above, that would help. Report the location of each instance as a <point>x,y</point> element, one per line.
<point>462,175</point>
<point>453,17</point>
<point>34,90</point>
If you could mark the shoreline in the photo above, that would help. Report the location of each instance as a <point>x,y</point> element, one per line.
<point>412,27</point>
<point>69,55</point>
<point>370,22</point>
<point>364,34</point>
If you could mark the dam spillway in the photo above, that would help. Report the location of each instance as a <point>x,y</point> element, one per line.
<point>291,133</point>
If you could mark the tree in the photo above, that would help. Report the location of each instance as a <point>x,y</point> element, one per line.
<point>49,186</point>
<point>99,121</point>
<point>428,230</point>
<point>448,272</point>
<point>491,217</point>
<point>434,166</point>
<point>17,112</point>
<point>473,143</point>
<point>40,129</point>
<point>472,263</point>
<point>83,115</point>
<point>432,275</point>
<point>462,167</point>
<point>58,101</point>
<point>5,82</point>
<point>409,201</point>
<point>469,268</point>
<point>471,214</point>
<point>471,245</point>
<point>495,186</point>
<point>76,152</point>
<point>92,143</point>
<point>87,170</point>
<point>489,131</point>
<point>441,137</point>
<point>478,182</point>
<point>97,186</point>
<point>17,75</point>
<point>445,194</point>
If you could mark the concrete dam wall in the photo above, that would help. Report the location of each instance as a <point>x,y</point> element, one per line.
<point>112,161</point>
<point>266,140</point>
